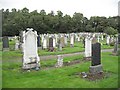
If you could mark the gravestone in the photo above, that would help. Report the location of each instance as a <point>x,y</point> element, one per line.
<point>65,40</point>
<point>115,51</point>
<point>5,43</point>
<point>59,45</point>
<point>72,40</point>
<point>102,38</point>
<point>21,40</point>
<point>108,40</point>
<point>88,48</point>
<point>30,54</point>
<point>44,43</point>
<point>54,42</point>
<point>84,42</point>
<point>51,44</point>
<point>38,41</point>
<point>98,38</point>
<point>62,41</point>
<point>59,61</point>
<point>96,66</point>
<point>16,44</point>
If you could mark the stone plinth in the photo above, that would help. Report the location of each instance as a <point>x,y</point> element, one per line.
<point>96,69</point>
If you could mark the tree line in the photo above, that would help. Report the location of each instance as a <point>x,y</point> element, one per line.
<point>15,21</point>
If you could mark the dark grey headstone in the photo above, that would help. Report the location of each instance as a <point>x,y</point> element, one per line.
<point>21,36</point>
<point>38,41</point>
<point>96,54</point>
<point>5,42</point>
<point>84,42</point>
<point>50,42</point>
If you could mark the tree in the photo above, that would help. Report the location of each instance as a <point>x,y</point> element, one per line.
<point>111,31</point>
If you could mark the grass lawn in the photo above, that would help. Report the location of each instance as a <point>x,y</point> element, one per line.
<point>64,77</point>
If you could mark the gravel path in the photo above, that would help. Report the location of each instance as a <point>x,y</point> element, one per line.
<point>70,54</point>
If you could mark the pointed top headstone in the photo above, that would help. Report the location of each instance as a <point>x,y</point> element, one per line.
<point>30,29</point>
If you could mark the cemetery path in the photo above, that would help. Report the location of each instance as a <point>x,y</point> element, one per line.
<point>48,57</point>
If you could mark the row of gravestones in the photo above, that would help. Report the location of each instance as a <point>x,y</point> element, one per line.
<point>54,40</point>
<point>52,43</point>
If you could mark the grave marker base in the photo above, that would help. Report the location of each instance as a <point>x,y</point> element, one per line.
<point>87,58</point>
<point>6,49</point>
<point>96,69</point>
<point>31,66</point>
<point>71,45</point>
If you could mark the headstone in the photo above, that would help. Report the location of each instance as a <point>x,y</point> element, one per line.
<point>96,66</point>
<point>96,54</point>
<point>51,44</point>
<point>102,38</point>
<point>84,42</point>
<point>88,47</point>
<point>65,40</point>
<point>5,43</point>
<point>21,40</point>
<point>54,42</point>
<point>30,54</point>
<point>59,45</point>
<point>72,40</point>
<point>108,40</point>
<point>62,41</point>
<point>16,44</point>
<point>38,41</point>
<point>59,61</point>
<point>44,43</point>
<point>78,39</point>
<point>115,51</point>
<point>98,39</point>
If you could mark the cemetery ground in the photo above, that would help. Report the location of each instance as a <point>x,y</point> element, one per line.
<point>50,77</point>
<point>64,77</point>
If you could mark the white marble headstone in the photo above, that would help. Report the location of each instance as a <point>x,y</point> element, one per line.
<point>44,43</point>
<point>108,40</point>
<point>30,54</point>
<point>88,47</point>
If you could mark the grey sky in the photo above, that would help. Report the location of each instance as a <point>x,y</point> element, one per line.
<point>87,7</point>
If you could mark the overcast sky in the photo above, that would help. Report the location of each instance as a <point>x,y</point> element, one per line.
<point>87,7</point>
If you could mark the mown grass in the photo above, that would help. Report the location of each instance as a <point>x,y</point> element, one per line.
<point>64,77</point>
<point>78,47</point>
